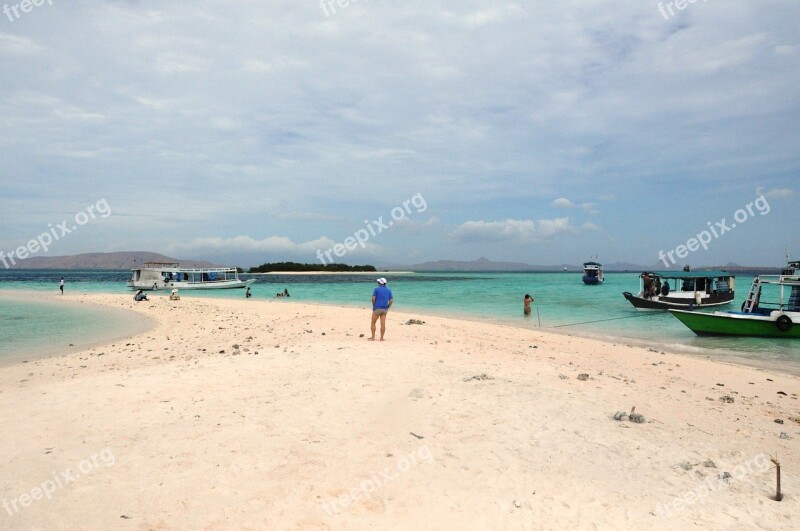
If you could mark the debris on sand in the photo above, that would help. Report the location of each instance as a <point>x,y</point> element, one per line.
<point>636,418</point>
<point>479,377</point>
<point>583,377</point>
<point>414,321</point>
<point>728,399</point>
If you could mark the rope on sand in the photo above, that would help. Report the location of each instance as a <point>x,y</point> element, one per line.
<point>603,320</point>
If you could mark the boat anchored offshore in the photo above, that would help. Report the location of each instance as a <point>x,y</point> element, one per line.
<point>689,290</point>
<point>757,318</point>
<point>169,275</point>
<point>592,273</point>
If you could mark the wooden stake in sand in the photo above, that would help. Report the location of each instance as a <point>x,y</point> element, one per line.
<point>778,495</point>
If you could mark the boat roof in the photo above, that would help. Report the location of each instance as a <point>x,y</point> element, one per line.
<point>693,274</point>
<point>592,263</point>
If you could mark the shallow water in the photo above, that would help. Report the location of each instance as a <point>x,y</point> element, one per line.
<point>562,303</point>
<point>32,329</point>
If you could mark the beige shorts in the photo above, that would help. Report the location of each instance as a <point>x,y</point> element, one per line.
<point>380,311</point>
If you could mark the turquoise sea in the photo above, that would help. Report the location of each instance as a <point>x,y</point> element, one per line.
<point>562,303</point>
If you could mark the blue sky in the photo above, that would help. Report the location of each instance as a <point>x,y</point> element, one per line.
<point>542,132</point>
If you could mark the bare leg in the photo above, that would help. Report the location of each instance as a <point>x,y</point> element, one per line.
<point>372,326</point>
<point>383,326</point>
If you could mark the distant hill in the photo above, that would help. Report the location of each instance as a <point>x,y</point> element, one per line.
<point>120,260</point>
<point>484,264</point>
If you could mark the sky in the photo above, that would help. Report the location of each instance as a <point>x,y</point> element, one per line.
<point>388,133</point>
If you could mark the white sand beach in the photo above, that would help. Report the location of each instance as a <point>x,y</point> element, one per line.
<point>254,414</point>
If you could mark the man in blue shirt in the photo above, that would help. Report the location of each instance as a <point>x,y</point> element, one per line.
<point>381,302</point>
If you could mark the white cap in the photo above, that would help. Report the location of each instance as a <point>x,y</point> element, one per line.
<point>381,280</point>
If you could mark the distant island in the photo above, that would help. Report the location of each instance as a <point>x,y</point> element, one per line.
<point>295,267</point>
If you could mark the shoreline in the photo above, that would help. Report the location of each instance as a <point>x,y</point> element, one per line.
<point>366,273</point>
<point>732,357</point>
<point>124,324</point>
<point>234,413</point>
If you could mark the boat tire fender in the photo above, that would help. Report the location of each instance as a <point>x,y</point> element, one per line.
<point>784,323</point>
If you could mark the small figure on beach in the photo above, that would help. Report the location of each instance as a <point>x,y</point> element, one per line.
<point>526,302</point>
<point>278,295</point>
<point>174,295</point>
<point>61,285</point>
<point>247,293</point>
<point>382,300</point>
<point>140,296</point>
<point>285,292</point>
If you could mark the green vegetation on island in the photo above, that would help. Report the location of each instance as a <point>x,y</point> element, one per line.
<point>301,268</point>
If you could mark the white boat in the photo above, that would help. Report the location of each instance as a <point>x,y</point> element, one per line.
<point>593,273</point>
<point>170,275</point>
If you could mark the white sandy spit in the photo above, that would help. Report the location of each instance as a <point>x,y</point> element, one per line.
<point>252,414</point>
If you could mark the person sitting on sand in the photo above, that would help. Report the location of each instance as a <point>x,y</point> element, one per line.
<point>140,296</point>
<point>174,295</point>
<point>526,309</point>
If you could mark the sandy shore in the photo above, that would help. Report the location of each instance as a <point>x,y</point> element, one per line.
<point>252,414</point>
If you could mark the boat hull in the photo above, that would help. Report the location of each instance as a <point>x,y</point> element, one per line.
<point>591,281</point>
<point>736,324</point>
<point>660,304</point>
<point>223,284</point>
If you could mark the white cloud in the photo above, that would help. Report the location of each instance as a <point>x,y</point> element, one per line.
<point>562,202</point>
<point>280,244</point>
<point>776,193</point>
<point>512,230</point>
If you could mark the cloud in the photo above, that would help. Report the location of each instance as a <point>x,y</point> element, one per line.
<point>563,202</point>
<point>590,226</point>
<point>279,244</point>
<point>776,193</point>
<point>512,230</point>
<point>409,226</point>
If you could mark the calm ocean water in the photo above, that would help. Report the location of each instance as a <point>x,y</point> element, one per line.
<point>562,303</point>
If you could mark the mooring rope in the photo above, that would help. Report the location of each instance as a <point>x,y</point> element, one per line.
<point>603,320</point>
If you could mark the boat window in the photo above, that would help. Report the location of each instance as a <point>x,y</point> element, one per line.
<point>794,300</point>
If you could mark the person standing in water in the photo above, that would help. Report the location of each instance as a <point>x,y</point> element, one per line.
<point>61,285</point>
<point>526,304</point>
<point>382,300</point>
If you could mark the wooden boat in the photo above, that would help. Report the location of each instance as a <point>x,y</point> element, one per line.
<point>771,309</point>
<point>168,275</point>
<point>682,290</point>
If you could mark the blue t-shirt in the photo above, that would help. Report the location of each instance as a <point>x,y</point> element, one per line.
<point>382,296</point>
